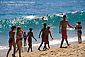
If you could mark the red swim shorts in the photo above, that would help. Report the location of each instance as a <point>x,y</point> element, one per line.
<point>64,34</point>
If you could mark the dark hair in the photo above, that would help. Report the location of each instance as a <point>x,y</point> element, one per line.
<point>64,15</point>
<point>30,28</point>
<point>44,24</point>
<point>48,27</point>
<point>18,28</point>
<point>13,27</point>
<point>79,22</point>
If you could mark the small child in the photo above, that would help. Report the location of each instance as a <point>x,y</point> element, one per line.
<point>49,32</point>
<point>25,37</point>
<point>79,32</point>
<point>47,37</point>
<point>30,35</point>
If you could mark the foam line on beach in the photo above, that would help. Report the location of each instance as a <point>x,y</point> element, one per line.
<point>53,42</point>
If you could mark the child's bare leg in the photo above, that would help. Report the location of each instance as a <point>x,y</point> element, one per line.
<point>48,45</point>
<point>31,48</point>
<point>9,51</point>
<point>40,45</point>
<point>61,43</point>
<point>14,45</point>
<point>67,41</point>
<point>20,49</point>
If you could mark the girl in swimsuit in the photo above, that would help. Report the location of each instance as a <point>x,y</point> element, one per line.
<point>25,37</point>
<point>19,39</point>
<point>79,32</point>
<point>12,40</point>
<point>30,35</point>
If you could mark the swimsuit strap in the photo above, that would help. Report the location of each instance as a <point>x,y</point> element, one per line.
<point>79,27</point>
<point>18,34</point>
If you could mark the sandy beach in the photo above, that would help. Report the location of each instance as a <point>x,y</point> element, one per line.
<point>74,50</point>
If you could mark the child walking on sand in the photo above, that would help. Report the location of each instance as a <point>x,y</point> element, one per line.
<point>25,37</point>
<point>79,32</point>
<point>44,33</point>
<point>19,39</point>
<point>49,32</point>
<point>30,35</point>
<point>47,37</point>
<point>12,40</point>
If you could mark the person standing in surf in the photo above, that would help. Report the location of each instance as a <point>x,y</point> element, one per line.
<point>30,35</point>
<point>44,33</point>
<point>62,29</point>
<point>19,40</point>
<point>79,32</point>
<point>12,40</point>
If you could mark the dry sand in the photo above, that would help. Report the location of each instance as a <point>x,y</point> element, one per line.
<point>74,50</point>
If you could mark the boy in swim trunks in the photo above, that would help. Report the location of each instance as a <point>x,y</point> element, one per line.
<point>79,32</point>
<point>25,37</point>
<point>62,29</point>
<point>12,40</point>
<point>30,35</point>
<point>44,33</point>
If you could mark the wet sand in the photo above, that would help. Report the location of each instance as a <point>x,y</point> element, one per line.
<point>74,50</point>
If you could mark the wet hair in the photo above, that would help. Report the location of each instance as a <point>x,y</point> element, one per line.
<point>19,27</point>
<point>64,15</point>
<point>44,24</point>
<point>79,22</point>
<point>30,28</point>
<point>48,27</point>
<point>13,27</point>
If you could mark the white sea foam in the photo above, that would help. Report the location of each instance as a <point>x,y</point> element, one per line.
<point>70,29</point>
<point>52,42</point>
<point>3,47</point>
<point>58,41</point>
<point>61,14</point>
<point>30,17</point>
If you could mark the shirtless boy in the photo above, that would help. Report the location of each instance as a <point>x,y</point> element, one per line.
<point>30,35</point>
<point>44,33</point>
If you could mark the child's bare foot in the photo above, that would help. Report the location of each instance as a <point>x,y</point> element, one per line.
<point>69,44</point>
<point>39,49</point>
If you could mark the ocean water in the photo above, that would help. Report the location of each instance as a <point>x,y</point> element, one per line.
<point>27,13</point>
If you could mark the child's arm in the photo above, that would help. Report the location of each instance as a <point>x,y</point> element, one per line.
<point>40,34</point>
<point>51,35</point>
<point>34,37</point>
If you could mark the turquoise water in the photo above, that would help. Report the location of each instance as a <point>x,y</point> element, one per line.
<point>27,13</point>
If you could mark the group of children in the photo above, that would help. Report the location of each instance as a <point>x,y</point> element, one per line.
<point>45,36</point>
<point>20,35</point>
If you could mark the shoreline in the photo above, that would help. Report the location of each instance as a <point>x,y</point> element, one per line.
<point>76,50</point>
<point>35,48</point>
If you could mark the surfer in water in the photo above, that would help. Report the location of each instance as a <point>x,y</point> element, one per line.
<point>62,29</point>
<point>42,18</point>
